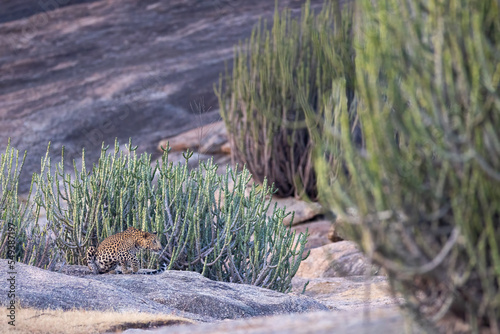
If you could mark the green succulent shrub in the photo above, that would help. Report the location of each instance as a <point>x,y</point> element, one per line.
<point>21,238</point>
<point>212,224</point>
<point>423,193</point>
<point>278,76</point>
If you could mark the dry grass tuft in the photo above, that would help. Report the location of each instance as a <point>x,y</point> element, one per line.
<point>80,321</point>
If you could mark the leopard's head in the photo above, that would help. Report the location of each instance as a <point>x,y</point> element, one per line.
<point>149,241</point>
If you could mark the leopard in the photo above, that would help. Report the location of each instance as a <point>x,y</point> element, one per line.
<point>120,249</point>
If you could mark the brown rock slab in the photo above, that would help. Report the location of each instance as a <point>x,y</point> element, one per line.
<point>337,259</point>
<point>334,235</point>
<point>344,228</point>
<point>207,139</point>
<point>318,232</point>
<point>304,211</point>
<point>226,148</point>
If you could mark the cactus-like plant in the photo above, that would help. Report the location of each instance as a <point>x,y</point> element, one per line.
<point>13,216</point>
<point>425,189</point>
<point>278,77</point>
<point>221,231</point>
<point>21,238</point>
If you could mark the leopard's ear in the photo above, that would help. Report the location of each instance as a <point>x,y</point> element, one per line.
<point>155,233</point>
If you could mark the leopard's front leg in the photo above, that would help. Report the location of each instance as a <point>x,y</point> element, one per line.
<point>135,264</point>
<point>123,261</point>
<point>124,266</point>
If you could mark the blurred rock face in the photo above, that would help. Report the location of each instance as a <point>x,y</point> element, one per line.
<point>82,72</point>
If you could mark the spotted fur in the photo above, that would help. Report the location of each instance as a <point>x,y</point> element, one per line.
<point>120,249</point>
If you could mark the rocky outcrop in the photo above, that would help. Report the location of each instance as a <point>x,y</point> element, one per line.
<point>81,72</point>
<point>185,294</point>
<point>340,276</point>
<point>348,293</point>
<point>337,259</point>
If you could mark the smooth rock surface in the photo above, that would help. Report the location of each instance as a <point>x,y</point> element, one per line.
<point>377,321</point>
<point>186,294</point>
